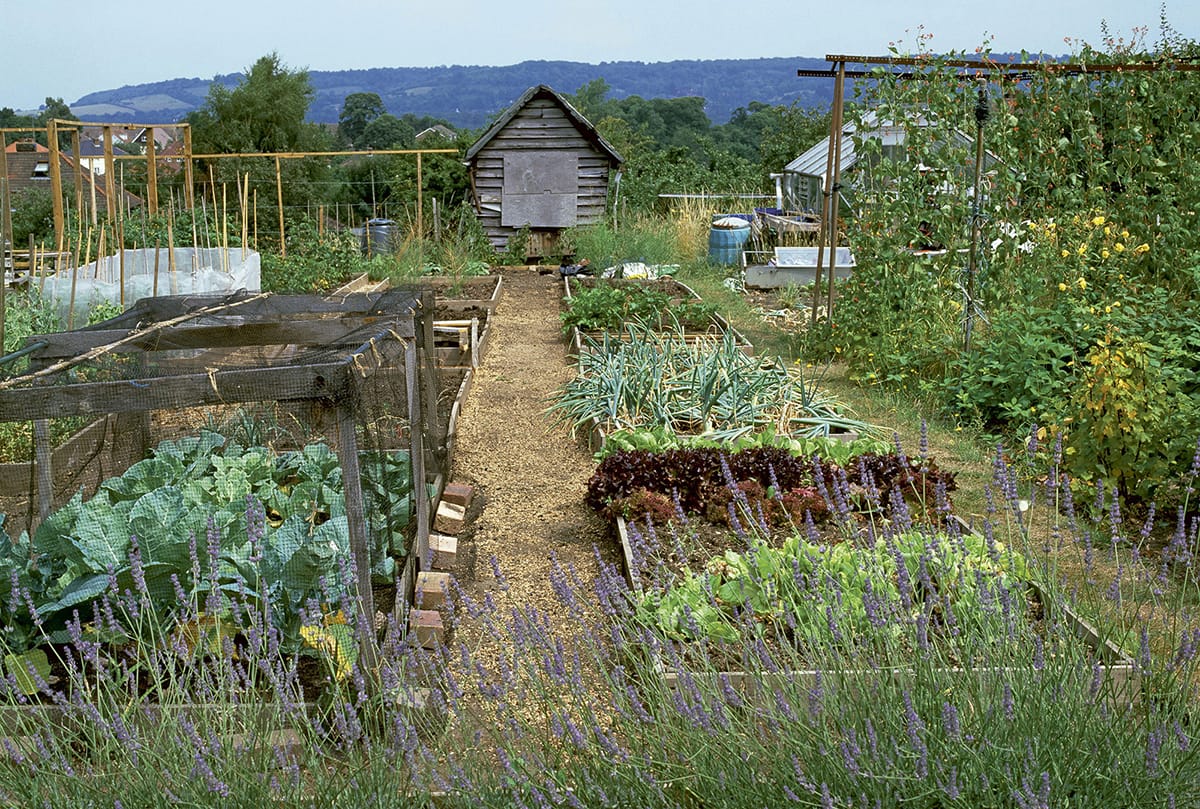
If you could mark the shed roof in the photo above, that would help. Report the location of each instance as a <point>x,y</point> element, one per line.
<point>545,91</point>
<point>815,161</point>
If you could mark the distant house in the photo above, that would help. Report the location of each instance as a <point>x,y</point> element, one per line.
<point>543,166</point>
<point>436,131</point>
<point>28,164</point>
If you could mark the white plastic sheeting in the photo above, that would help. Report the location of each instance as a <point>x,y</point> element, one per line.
<point>189,271</point>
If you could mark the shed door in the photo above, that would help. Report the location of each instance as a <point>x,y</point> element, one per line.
<point>541,189</point>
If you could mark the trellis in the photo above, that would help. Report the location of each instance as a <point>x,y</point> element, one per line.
<point>971,68</point>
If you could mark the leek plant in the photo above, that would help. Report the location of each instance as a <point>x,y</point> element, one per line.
<point>642,378</point>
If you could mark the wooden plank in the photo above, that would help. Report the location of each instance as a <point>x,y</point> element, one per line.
<point>298,332</point>
<point>326,381</point>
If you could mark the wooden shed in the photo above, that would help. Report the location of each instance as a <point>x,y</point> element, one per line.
<point>541,165</point>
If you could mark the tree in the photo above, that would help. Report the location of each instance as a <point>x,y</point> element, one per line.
<point>359,110</point>
<point>263,113</point>
<point>54,108</point>
<point>386,132</point>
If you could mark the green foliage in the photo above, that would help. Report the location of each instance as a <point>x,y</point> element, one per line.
<point>313,263</point>
<point>1133,426</point>
<point>788,581</point>
<point>1086,220</point>
<point>265,112</point>
<point>200,487</point>
<point>609,306</point>
<point>641,378</point>
<point>32,215</point>
<point>660,439</point>
<point>358,111</point>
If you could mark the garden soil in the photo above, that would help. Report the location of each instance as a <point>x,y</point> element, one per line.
<point>529,474</point>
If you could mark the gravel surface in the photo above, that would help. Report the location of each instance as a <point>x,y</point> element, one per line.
<point>530,475</point>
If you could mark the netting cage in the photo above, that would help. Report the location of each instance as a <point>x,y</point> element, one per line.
<point>285,447</point>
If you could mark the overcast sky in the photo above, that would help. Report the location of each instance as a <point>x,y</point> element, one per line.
<point>70,48</point>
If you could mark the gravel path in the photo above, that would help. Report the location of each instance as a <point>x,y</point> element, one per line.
<point>530,475</point>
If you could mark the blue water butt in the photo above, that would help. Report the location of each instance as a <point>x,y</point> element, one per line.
<point>726,238</point>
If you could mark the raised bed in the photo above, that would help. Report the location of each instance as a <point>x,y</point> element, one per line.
<point>676,289</point>
<point>1118,673</point>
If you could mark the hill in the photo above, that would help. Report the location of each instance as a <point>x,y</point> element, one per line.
<point>469,96</point>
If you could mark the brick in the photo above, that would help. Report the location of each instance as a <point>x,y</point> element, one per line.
<point>450,518</point>
<point>459,494</point>
<point>431,590</point>
<point>426,626</point>
<point>443,550</point>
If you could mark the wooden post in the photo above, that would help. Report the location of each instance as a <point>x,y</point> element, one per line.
<point>839,92</point>
<point>827,202</point>
<point>151,173</point>
<point>109,199</point>
<point>119,239</point>
<point>6,202</point>
<point>7,248</point>
<point>5,251</point>
<point>75,155</point>
<point>92,186</point>
<point>420,199</point>
<point>279,195</point>
<point>417,436</point>
<point>154,291</point>
<point>356,519</point>
<point>188,179</point>
<point>45,474</point>
<point>245,216</point>
<point>55,178</point>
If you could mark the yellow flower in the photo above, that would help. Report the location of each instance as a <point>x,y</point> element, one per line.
<point>1116,304</point>
<point>1142,248</point>
<point>1124,234</point>
<point>1120,248</point>
<point>1062,287</point>
<point>1098,221</point>
<point>1082,283</point>
<point>1082,249</point>
<point>1066,253</point>
<point>1107,231</point>
<point>1104,253</point>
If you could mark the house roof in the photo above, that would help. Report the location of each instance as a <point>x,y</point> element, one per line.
<point>440,130</point>
<point>544,91</point>
<point>24,172</point>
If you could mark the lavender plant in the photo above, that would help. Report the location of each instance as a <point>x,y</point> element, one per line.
<point>566,704</point>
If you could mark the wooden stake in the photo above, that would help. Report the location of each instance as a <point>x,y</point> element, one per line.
<point>109,174</point>
<point>154,291</point>
<point>101,253</point>
<point>55,178</point>
<point>188,180</point>
<point>75,278</point>
<point>420,202</point>
<point>151,172</point>
<point>121,258</point>
<point>279,194</point>
<point>224,228</point>
<point>78,171</point>
<point>245,214</point>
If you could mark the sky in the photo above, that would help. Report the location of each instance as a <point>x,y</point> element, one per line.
<point>83,47</point>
